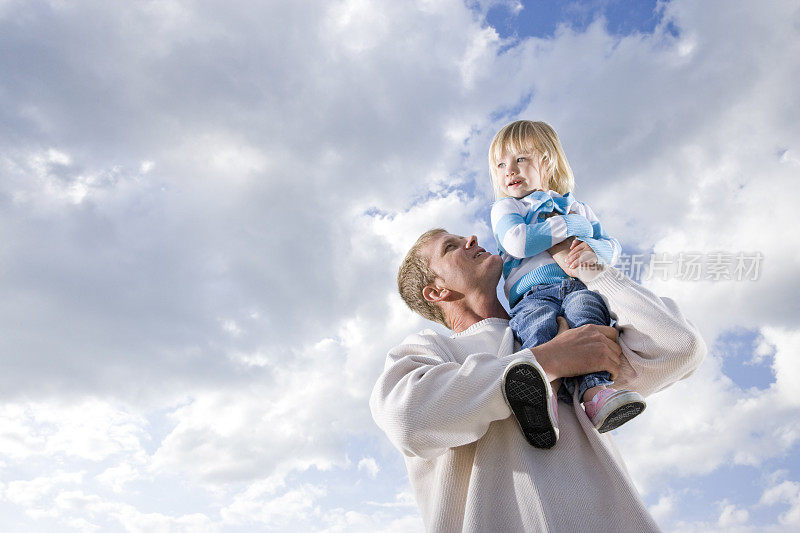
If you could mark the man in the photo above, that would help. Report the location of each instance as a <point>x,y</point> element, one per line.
<point>440,399</point>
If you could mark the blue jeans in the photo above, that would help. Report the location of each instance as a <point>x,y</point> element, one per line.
<point>533,320</point>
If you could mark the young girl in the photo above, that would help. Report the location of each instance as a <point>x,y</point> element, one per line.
<point>534,211</point>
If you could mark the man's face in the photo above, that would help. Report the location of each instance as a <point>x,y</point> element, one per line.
<point>461,265</point>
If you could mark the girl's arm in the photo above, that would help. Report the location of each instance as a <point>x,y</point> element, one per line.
<point>521,235</point>
<point>604,246</point>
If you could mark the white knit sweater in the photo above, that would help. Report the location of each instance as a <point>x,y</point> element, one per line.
<point>439,400</point>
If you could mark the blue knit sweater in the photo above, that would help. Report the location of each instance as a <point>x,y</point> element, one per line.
<point>523,237</point>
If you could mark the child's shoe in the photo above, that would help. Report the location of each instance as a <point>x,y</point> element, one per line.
<point>530,398</point>
<point>611,408</point>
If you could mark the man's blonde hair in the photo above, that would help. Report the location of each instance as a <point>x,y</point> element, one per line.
<point>415,274</point>
<point>539,139</point>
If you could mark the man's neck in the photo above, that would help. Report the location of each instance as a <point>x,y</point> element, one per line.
<point>463,316</point>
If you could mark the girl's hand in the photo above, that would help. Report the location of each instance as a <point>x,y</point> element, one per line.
<point>581,255</point>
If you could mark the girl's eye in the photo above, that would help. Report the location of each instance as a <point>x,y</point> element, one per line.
<point>520,159</point>
<point>501,165</point>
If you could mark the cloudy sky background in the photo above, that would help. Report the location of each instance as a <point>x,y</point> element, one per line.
<point>203,206</point>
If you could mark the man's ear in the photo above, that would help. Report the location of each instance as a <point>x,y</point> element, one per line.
<point>432,293</point>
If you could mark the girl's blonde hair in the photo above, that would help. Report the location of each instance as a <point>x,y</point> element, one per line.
<point>538,139</point>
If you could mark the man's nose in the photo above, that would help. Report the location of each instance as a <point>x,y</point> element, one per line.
<point>471,241</point>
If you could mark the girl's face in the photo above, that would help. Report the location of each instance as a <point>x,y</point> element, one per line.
<point>518,175</point>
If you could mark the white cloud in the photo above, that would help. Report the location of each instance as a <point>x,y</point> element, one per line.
<point>404,498</point>
<point>202,211</point>
<point>721,424</point>
<point>356,25</point>
<point>732,516</point>
<point>260,504</point>
<point>91,429</point>
<point>118,476</point>
<point>341,521</point>
<point>369,465</point>
<point>299,417</point>
<point>786,492</point>
<point>663,508</point>
<point>454,211</point>
<point>59,499</point>
<point>785,342</point>
<point>28,493</point>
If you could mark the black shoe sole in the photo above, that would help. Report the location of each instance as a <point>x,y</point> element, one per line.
<point>526,392</point>
<point>621,415</point>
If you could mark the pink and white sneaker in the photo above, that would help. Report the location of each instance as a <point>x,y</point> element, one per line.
<point>610,408</point>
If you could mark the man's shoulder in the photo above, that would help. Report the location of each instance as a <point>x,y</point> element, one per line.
<point>424,337</point>
<point>427,341</point>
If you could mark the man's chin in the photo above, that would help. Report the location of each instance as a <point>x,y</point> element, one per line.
<point>495,263</point>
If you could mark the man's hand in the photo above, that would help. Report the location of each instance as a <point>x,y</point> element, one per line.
<point>583,350</point>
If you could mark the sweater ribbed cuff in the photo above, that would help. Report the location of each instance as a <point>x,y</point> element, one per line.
<point>578,226</point>
<point>527,354</point>
<point>606,281</point>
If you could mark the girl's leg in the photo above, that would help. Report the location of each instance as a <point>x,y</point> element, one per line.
<point>534,322</point>
<point>582,306</point>
<point>533,319</point>
<point>606,407</point>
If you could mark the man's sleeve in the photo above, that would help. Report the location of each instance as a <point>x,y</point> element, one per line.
<point>427,403</point>
<point>659,344</point>
<point>522,237</point>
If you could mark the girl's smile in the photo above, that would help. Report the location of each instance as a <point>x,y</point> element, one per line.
<point>519,174</point>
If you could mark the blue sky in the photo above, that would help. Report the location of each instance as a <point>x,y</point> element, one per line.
<point>540,19</point>
<point>202,209</point>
